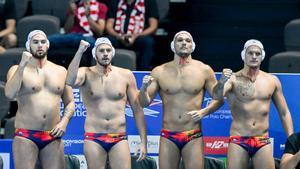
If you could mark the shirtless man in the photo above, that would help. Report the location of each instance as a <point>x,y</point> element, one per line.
<point>249,93</point>
<point>38,85</point>
<point>181,84</point>
<point>105,90</point>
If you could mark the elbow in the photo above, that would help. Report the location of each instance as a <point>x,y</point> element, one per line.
<point>218,97</point>
<point>72,105</point>
<point>9,95</point>
<point>70,81</point>
<point>221,101</point>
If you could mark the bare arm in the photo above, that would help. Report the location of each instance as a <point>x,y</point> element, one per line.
<point>209,85</point>
<point>69,108</point>
<point>14,81</point>
<point>149,89</point>
<point>218,91</point>
<point>10,27</point>
<point>210,82</point>
<point>15,77</point>
<point>223,85</point>
<point>281,105</point>
<point>290,161</point>
<point>132,94</point>
<point>68,100</point>
<point>76,77</point>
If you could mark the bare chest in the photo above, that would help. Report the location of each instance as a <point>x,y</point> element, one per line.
<point>245,89</point>
<point>182,83</point>
<point>107,87</point>
<point>39,80</point>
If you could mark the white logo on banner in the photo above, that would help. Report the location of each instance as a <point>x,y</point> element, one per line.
<point>217,145</point>
<point>76,94</point>
<point>152,146</point>
<point>6,160</point>
<point>147,111</point>
<point>68,143</point>
<point>207,101</point>
<point>219,114</point>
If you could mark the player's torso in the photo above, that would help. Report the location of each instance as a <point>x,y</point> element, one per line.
<point>105,99</point>
<point>39,97</point>
<point>250,104</point>
<point>181,91</point>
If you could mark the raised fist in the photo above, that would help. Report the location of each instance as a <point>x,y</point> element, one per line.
<point>226,74</point>
<point>147,80</point>
<point>83,45</point>
<point>26,57</point>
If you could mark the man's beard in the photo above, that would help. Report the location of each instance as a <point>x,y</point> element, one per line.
<point>183,54</point>
<point>104,64</point>
<point>39,55</point>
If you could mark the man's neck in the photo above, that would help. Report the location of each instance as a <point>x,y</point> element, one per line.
<point>182,60</point>
<point>104,70</point>
<point>39,63</point>
<point>251,72</point>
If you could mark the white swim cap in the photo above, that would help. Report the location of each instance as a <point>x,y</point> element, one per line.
<point>100,41</point>
<point>181,32</point>
<point>32,34</point>
<point>253,42</point>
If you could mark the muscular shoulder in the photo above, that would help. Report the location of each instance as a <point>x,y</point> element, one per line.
<point>157,71</point>
<point>270,77</point>
<point>126,73</point>
<point>57,68</point>
<point>85,69</point>
<point>202,67</point>
<point>12,69</point>
<point>275,80</point>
